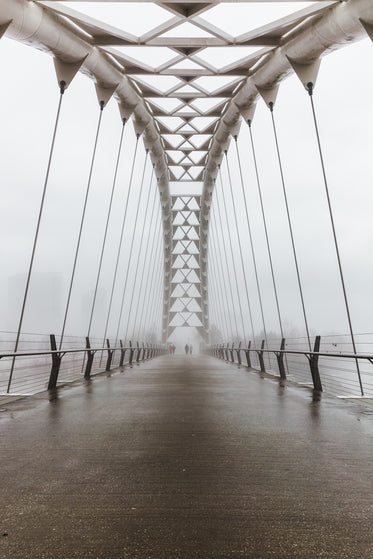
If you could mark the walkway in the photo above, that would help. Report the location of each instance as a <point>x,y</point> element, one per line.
<point>184,458</point>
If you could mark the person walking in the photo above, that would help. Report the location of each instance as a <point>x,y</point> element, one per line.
<point>186,349</point>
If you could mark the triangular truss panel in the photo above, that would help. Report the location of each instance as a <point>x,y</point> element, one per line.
<point>185,301</point>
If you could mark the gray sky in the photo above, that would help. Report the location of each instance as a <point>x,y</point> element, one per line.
<point>28,102</point>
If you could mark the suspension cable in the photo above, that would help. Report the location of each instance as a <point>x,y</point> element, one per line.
<point>271,106</point>
<point>214,317</point>
<point>233,261</point>
<point>218,250</point>
<point>265,227</point>
<point>142,274</point>
<point>215,280</point>
<point>251,243</point>
<point>239,245</point>
<point>159,303</point>
<point>106,226</point>
<point>310,92</point>
<point>120,241</point>
<point>131,249</point>
<point>140,252</point>
<point>36,236</point>
<point>157,259</point>
<point>156,284</point>
<point>102,104</point>
<point>146,300</point>
<point>220,278</point>
<point>212,293</point>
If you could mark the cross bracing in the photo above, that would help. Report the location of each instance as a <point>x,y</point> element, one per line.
<point>187,79</point>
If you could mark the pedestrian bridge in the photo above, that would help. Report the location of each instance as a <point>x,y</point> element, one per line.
<point>226,206</point>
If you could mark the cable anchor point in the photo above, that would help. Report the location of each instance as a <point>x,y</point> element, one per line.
<point>310,88</point>
<point>62,86</point>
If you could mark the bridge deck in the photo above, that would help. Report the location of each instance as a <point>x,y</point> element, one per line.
<point>185,458</point>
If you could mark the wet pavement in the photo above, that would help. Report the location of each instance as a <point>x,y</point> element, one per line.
<point>185,458</point>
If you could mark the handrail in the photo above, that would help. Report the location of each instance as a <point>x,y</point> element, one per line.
<point>144,353</point>
<point>223,351</point>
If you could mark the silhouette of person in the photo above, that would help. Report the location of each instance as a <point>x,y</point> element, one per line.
<point>173,348</point>
<point>190,349</point>
<point>186,349</point>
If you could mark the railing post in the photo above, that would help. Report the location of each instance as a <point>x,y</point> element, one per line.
<point>122,353</point>
<point>131,354</point>
<point>109,355</point>
<point>56,363</point>
<point>248,356</point>
<point>226,353</point>
<point>261,357</point>
<point>143,352</point>
<point>90,357</point>
<point>238,351</point>
<point>231,352</point>
<point>280,360</point>
<point>314,365</point>
<point>138,353</point>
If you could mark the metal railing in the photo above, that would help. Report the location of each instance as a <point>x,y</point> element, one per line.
<point>323,368</point>
<point>42,366</point>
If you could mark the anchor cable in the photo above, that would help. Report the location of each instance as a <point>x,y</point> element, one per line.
<point>46,180</point>
<point>251,243</point>
<point>271,106</point>
<point>120,242</point>
<point>222,274</point>
<point>106,226</point>
<point>258,182</point>
<point>233,262</point>
<point>147,297</point>
<point>82,223</point>
<point>240,247</point>
<point>218,282</point>
<point>157,259</point>
<point>310,93</point>
<point>131,249</point>
<point>142,273</point>
<point>139,252</point>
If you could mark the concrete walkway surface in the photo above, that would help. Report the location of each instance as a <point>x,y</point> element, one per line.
<point>182,458</point>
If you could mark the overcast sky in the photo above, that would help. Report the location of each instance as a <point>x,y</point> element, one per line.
<point>28,102</point>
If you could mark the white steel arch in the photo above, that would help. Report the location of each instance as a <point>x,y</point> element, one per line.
<point>186,123</point>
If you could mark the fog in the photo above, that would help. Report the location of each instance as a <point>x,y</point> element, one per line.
<point>28,104</point>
